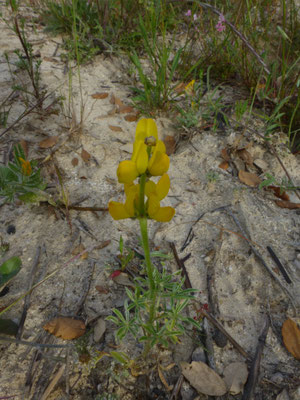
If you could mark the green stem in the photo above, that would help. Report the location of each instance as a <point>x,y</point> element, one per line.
<point>149,269</point>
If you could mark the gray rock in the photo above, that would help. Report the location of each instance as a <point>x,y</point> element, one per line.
<point>199,355</point>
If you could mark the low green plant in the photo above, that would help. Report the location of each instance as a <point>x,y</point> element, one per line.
<point>154,312</point>
<point>21,179</point>
<point>284,185</point>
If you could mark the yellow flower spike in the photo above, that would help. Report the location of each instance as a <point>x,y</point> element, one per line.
<point>26,167</point>
<point>146,127</point>
<point>127,171</point>
<point>189,89</point>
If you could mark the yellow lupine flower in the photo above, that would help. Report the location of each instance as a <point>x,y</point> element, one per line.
<point>128,209</point>
<point>26,167</point>
<point>189,89</point>
<point>155,193</point>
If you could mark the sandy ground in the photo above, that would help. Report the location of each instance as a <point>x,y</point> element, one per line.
<point>229,276</point>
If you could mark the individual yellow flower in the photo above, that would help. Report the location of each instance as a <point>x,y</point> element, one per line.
<point>155,193</point>
<point>26,167</point>
<point>129,208</point>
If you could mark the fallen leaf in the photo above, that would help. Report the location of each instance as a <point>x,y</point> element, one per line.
<point>99,329</point>
<point>85,155</point>
<point>180,88</point>
<point>74,162</point>
<point>224,165</point>
<point>24,146</point>
<point>8,327</point>
<point>102,289</point>
<point>291,337</point>
<point>115,128</point>
<point>170,144</point>
<point>49,142</point>
<point>65,327</point>
<point>126,109</point>
<point>278,193</point>
<point>123,279</point>
<point>245,156</point>
<point>131,117</point>
<point>249,179</point>
<point>102,95</point>
<point>225,155</point>
<point>115,274</point>
<point>287,204</point>
<point>261,164</point>
<point>203,379</point>
<point>235,377</point>
<point>163,379</point>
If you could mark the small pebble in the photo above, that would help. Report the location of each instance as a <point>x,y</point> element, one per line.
<point>199,355</point>
<point>11,229</point>
<point>277,378</point>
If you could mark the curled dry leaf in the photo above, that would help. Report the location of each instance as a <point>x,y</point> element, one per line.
<point>115,128</point>
<point>49,142</point>
<point>66,328</point>
<point>245,156</point>
<point>291,337</point>
<point>126,109</point>
<point>224,165</point>
<point>225,155</point>
<point>163,379</point>
<point>170,144</point>
<point>203,379</point>
<point>131,117</point>
<point>102,95</point>
<point>235,377</point>
<point>278,193</point>
<point>102,289</point>
<point>85,155</point>
<point>115,100</point>
<point>80,249</point>
<point>249,179</point>
<point>287,204</point>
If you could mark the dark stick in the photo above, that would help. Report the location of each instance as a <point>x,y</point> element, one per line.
<point>254,369</point>
<point>205,313</point>
<point>28,296</point>
<point>279,265</point>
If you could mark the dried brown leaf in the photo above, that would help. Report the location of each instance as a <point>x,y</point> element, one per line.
<point>80,249</point>
<point>170,144</point>
<point>249,179</point>
<point>235,377</point>
<point>49,142</point>
<point>74,161</point>
<point>85,155</point>
<point>99,329</point>
<point>115,128</point>
<point>102,289</point>
<point>65,327</point>
<point>282,195</point>
<point>123,279</point>
<point>224,165</point>
<point>245,156</point>
<point>203,379</point>
<point>287,204</point>
<point>131,117</point>
<point>163,379</point>
<point>291,337</point>
<point>102,95</point>
<point>126,109</point>
<point>225,155</point>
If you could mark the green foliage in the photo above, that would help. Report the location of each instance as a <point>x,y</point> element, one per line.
<point>170,301</point>
<point>284,185</point>
<point>9,269</point>
<point>15,180</point>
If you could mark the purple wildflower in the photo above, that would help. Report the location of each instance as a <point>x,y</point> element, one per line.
<point>220,27</point>
<point>188,13</point>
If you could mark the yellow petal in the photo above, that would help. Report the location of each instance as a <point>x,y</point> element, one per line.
<point>130,203</point>
<point>160,146</point>
<point>142,159</point>
<point>117,210</point>
<point>127,171</point>
<point>159,164</point>
<point>146,127</point>
<point>163,186</point>
<point>150,187</point>
<point>164,214</point>
<point>153,205</point>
